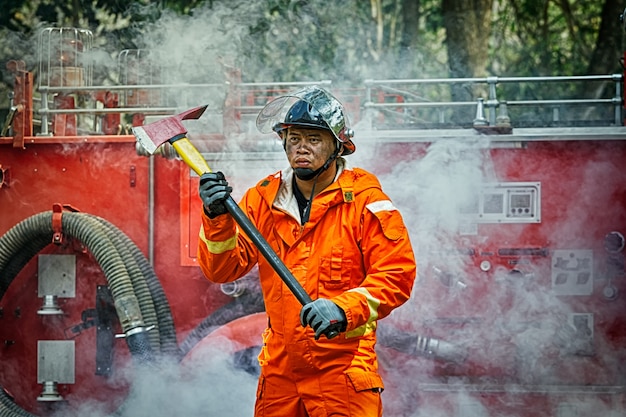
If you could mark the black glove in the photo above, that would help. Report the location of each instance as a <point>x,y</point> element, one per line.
<point>323,316</point>
<point>214,191</point>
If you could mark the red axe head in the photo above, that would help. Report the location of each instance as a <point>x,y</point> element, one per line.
<point>153,135</point>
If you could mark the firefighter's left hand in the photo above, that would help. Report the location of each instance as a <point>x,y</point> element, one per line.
<point>323,315</point>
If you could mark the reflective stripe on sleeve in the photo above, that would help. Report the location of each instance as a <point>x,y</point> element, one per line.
<point>373,304</point>
<point>383,205</point>
<point>215,247</point>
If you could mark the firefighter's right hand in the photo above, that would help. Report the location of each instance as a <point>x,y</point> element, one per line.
<point>324,316</point>
<point>214,191</point>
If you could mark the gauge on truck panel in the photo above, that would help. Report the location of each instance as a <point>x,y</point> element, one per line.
<point>506,202</point>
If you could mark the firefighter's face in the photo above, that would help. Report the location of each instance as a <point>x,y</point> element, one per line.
<point>308,148</point>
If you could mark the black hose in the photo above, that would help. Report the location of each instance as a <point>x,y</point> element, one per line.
<point>20,243</point>
<point>139,343</point>
<point>250,302</point>
<point>135,278</point>
<point>155,293</point>
<point>140,289</point>
<point>8,408</point>
<point>139,299</point>
<point>35,233</point>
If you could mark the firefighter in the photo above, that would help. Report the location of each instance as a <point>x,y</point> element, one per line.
<point>342,239</point>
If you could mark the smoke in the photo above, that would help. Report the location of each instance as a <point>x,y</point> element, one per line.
<point>190,49</point>
<point>508,326</point>
<point>431,190</point>
<point>509,329</point>
<point>207,383</point>
<point>505,320</point>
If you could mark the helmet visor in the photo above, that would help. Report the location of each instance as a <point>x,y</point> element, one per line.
<point>329,108</point>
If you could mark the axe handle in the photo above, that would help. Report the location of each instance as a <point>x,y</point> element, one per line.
<point>192,157</point>
<point>266,250</point>
<point>188,152</point>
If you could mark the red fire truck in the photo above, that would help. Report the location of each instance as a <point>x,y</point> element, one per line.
<point>516,208</point>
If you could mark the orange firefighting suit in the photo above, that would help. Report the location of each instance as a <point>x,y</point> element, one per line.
<point>355,251</point>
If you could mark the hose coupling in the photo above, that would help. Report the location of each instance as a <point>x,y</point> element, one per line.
<point>439,349</point>
<point>134,331</point>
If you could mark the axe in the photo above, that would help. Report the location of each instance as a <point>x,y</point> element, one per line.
<point>171,129</point>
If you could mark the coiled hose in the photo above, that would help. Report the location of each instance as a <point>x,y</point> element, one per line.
<point>139,299</point>
<point>247,303</point>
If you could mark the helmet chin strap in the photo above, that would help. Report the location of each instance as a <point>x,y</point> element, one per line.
<point>307,174</point>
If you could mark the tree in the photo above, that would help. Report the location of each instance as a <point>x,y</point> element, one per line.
<point>468,30</point>
<point>606,55</point>
<point>349,41</point>
<point>556,37</point>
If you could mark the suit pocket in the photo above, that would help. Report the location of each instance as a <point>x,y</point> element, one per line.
<point>335,270</point>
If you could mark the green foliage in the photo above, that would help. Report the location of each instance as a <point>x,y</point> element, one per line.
<point>542,37</point>
<point>297,40</point>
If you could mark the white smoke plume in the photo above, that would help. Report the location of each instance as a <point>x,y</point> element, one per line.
<point>509,328</point>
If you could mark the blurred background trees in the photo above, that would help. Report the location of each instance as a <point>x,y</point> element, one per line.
<point>346,42</point>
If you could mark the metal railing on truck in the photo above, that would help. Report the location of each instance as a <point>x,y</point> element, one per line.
<point>529,101</point>
<point>396,104</point>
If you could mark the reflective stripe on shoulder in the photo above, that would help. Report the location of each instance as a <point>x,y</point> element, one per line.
<point>382,205</point>
<point>373,304</point>
<point>215,247</point>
